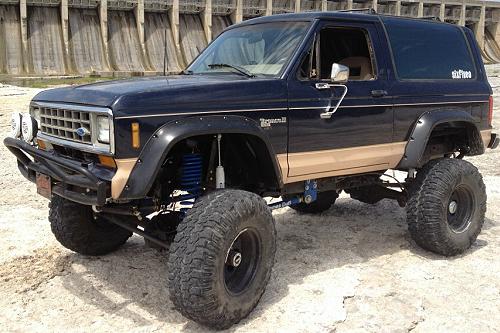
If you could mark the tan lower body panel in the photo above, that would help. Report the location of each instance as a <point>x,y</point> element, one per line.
<point>338,162</point>
<point>123,169</point>
<point>486,137</point>
<point>316,164</point>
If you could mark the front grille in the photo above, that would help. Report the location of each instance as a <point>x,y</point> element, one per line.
<point>63,123</point>
<point>73,126</point>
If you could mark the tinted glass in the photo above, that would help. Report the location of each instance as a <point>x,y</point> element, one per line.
<point>261,49</point>
<point>429,50</point>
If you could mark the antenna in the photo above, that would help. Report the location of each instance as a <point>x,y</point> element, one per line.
<point>165,53</point>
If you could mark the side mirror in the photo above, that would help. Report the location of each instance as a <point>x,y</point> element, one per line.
<point>339,73</point>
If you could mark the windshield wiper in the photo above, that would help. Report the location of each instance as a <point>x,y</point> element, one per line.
<point>187,72</point>
<point>236,68</point>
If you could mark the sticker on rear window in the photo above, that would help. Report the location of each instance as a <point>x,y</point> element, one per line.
<point>461,74</point>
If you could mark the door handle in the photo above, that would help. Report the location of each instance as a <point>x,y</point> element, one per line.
<point>379,93</point>
<point>322,85</point>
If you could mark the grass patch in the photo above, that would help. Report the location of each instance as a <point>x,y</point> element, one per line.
<point>48,82</point>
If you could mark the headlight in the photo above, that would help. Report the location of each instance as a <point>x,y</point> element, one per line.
<point>15,125</point>
<point>35,113</point>
<point>103,129</point>
<point>29,127</point>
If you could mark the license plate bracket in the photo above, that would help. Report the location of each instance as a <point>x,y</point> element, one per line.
<point>44,185</point>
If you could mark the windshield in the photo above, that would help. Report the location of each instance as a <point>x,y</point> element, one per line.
<point>254,50</point>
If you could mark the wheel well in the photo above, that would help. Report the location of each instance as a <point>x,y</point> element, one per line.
<point>247,163</point>
<point>451,137</point>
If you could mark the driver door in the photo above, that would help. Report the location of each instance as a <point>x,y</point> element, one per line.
<point>357,138</point>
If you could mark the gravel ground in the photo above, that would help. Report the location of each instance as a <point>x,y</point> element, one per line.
<point>352,268</point>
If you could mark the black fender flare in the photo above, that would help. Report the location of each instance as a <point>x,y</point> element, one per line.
<point>158,146</point>
<point>417,142</point>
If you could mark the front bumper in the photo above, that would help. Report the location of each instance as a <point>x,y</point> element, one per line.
<point>74,180</point>
<point>494,141</point>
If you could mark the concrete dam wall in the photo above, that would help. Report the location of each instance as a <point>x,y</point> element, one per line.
<point>57,37</point>
<point>86,47</point>
<point>10,41</point>
<point>158,34</point>
<point>45,49</point>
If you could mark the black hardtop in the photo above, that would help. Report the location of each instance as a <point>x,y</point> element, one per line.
<point>341,16</point>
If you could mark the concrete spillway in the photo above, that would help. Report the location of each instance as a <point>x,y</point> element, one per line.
<point>192,36</point>
<point>219,23</point>
<point>152,36</point>
<point>159,38</point>
<point>124,48</point>
<point>11,57</point>
<point>491,52</point>
<point>86,47</point>
<point>46,55</point>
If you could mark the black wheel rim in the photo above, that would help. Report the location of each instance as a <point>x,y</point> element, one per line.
<point>460,209</point>
<point>242,261</point>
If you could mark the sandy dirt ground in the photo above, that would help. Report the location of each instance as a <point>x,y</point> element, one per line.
<point>353,268</point>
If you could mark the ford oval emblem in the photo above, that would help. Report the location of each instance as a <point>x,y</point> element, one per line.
<point>82,131</point>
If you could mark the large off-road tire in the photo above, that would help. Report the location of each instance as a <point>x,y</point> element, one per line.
<point>221,259</point>
<point>324,201</point>
<point>77,228</point>
<point>446,207</point>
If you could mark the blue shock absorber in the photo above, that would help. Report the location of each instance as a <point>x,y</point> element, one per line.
<point>192,167</point>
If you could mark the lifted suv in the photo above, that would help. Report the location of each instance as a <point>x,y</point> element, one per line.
<point>298,106</point>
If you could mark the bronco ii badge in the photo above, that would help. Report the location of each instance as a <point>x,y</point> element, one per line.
<point>268,122</point>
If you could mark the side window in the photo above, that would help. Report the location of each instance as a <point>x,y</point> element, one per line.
<point>349,47</point>
<point>430,51</point>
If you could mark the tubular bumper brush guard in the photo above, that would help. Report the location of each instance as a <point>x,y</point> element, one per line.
<point>70,179</point>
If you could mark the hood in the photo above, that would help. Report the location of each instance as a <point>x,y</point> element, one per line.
<point>168,94</point>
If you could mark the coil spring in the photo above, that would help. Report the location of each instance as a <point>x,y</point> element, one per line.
<point>192,165</point>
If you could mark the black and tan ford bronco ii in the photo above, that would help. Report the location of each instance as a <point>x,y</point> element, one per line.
<point>296,106</point>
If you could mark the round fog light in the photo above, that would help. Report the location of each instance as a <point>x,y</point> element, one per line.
<point>15,125</point>
<point>28,127</point>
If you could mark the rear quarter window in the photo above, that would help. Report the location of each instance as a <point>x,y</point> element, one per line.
<point>429,51</point>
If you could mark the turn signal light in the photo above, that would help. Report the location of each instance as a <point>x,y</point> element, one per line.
<point>136,141</point>
<point>107,161</point>
<point>41,144</point>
